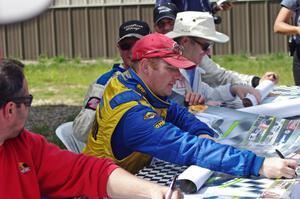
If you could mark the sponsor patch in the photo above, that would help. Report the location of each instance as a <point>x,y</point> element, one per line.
<point>141,89</point>
<point>159,124</point>
<point>92,103</point>
<point>149,115</point>
<point>23,167</point>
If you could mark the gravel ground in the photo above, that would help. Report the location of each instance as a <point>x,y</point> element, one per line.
<point>50,116</point>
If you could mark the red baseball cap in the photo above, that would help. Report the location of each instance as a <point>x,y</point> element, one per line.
<point>160,46</point>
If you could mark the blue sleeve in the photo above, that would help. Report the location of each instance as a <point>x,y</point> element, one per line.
<point>291,5</point>
<point>179,116</point>
<point>142,130</point>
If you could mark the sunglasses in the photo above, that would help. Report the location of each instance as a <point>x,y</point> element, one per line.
<point>204,46</point>
<point>26,100</point>
<point>126,45</point>
<point>162,23</point>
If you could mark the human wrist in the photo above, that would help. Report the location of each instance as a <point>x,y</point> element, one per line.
<point>232,89</point>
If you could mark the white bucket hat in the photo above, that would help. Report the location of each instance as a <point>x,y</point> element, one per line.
<point>196,24</point>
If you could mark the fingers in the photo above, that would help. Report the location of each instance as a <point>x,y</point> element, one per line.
<point>177,194</point>
<point>194,98</point>
<point>227,6</point>
<point>277,168</point>
<point>242,91</point>
<point>256,94</point>
<point>201,100</point>
<point>288,172</point>
<point>271,76</point>
<point>224,6</point>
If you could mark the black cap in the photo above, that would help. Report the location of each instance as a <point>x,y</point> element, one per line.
<point>166,10</point>
<point>133,28</point>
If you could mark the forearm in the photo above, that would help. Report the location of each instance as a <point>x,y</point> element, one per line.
<point>186,121</point>
<point>282,23</point>
<point>122,184</point>
<point>286,29</point>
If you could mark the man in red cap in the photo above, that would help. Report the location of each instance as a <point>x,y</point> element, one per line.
<point>135,121</point>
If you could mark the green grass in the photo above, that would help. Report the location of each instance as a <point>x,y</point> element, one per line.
<point>279,63</point>
<point>59,79</point>
<point>62,79</point>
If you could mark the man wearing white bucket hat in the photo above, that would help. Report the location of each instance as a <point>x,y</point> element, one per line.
<point>195,31</point>
<point>215,75</point>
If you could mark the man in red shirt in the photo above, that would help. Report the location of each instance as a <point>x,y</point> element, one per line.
<point>30,167</point>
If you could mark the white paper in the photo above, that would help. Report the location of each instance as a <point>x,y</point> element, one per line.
<point>264,88</point>
<point>195,174</point>
<point>284,108</point>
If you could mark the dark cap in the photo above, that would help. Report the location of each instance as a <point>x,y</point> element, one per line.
<point>133,28</point>
<point>166,10</point>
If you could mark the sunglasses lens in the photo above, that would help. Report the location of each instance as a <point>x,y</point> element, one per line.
<point>206,46</point>
<point>125,46</point>
<point>28,101</point>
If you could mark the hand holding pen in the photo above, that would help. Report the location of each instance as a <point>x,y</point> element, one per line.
<point>274,167</point>
<point>282,157</point>
<point>171,188</point>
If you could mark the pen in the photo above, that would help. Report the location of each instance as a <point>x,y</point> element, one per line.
<point>171,188</point>
<point>279,154</point>
<point>282,157</point>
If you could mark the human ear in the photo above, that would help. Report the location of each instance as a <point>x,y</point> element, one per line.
<point>8,109</point>
<point>145,66</point>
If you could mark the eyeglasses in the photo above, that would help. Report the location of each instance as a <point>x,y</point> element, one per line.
<point>126,46</point>
<point>204,46</point>
<point>26,100</point>
<point>165,22</point>
<point>176,49</point>
<point>127,43</point>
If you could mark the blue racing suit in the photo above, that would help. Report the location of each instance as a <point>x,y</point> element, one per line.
<point>157,127</point>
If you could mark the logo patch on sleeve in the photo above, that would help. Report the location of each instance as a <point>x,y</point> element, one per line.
<point>149,115</point>
<point>92,103</point>
<point>159,124</point>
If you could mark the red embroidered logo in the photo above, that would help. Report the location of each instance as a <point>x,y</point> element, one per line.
<point>24,168</point>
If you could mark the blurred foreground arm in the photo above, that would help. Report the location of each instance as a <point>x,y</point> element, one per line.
<point>122,184</point>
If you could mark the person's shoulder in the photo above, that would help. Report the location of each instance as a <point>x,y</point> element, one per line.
<point>103,79</point>
<point>32,137</point>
